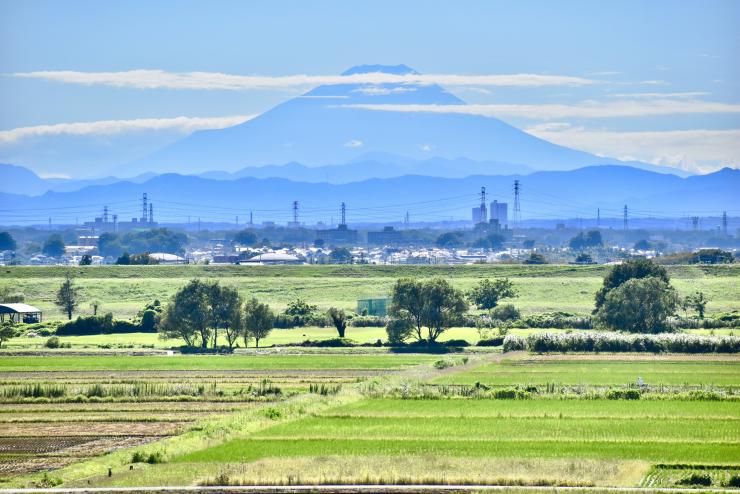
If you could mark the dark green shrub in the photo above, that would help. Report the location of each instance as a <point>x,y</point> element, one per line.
<point>696,479</point>
<point>734,481</point>
<point>52,342</point>
<point>506,312</point>
<point>330,343</point>
<point>514,343</point>
<point>456,343</point>
<point>490,342</point>
<point>623,394</point>
<point>510,394</point>
<point>398,330</point>
<point>368,322</point>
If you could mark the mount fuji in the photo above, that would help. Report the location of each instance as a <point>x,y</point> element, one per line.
<point>321,127</point>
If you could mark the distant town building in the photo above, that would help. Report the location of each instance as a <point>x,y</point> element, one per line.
<point>388,236</point>
<point>275,258</point>
<point>478,215</point>
<point>499,211</point>
<point>338,236</point>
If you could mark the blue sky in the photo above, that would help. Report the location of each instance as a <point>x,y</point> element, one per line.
<point>659,80</point>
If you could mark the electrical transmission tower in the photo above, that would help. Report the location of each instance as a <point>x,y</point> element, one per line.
<point>295,213</point>
<point>483,210</point>
<point>406,221</point>
<point>105,215</point>
<point>625,218</point>
<point>598,217</point>
<point>144,208</point>
<point>517,206</point>
<point>151,213</point>
<point>724,223</point>
<point>695,223</point>
<point>344,215</point>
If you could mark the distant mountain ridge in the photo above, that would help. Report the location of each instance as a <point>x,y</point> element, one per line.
<point>544,194</point>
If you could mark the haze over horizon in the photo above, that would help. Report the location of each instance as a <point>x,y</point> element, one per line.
<point>602,79</point>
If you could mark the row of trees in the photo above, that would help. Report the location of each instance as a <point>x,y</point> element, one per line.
<point>201,311</point>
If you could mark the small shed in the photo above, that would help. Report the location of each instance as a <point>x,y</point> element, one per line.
<point>20,313</point>
<point>373,306</point>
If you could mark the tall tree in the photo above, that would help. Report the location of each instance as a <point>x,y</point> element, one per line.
<point>407,303</point>
<point>226,308</point>
<point>486,294</point>
<point>339,320</point>
<point>7,242</point>
<point>258,321</point>
<point>189,315</point>
<point>434,304</point>
<point>697,301</point>
<point>621,273</point>
<point>639,305</point>
<point>67,296</point>
<point>54,246</point>
<point>444,306</point>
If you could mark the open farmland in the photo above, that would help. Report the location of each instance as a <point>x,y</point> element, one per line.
<point>363,430</point>
<point>603,370</point>
<point>59,410</point>
<point>124,290</point>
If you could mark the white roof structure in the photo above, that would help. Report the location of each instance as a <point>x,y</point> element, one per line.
<point>275,257</point>
<point>18,309</point>
<point>165,257</point>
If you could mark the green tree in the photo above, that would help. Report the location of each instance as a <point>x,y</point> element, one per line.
<point>189,315</point>
<point>450,239</point>
<point>95,306</point>
<point>86,260</point>
<point>124,259</point>
<point>486,294</point>
<point>226,312</point>
<point>639,305</point>
<point>698,302</point>
<point>713,256</point>
<point>340,255</point>
<point>584,258</point>
<point>300,307</point>
<point>407,303</point>
<point>434,304</point>
<point>7,331</point>
<point>493,241</point>
<point>621,273</point>
<point>245,238</point>
<point>585,240</point>
<point>7,242</point>
<point>398,330</point>
<point>67,297</point>
<point>54,246</point>
<point>444,307</point>
<point>339,319</point>
<point>258,321</point>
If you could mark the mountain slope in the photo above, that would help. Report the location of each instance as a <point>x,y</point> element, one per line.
<point>319,128</point>
<point>561,194</point>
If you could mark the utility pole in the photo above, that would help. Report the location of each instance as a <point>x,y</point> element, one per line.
<point>598,217</point>
<point>483,210</point>
<point>251,222</point>
<point>517,206</point>
<point>406,220</point>
<point>237,221</point>
<point>50,223</point>
<point>724,223</point>
<point>625,219</point>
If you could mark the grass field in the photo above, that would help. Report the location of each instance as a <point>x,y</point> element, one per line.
<point>302,436</point>
<point>208,362</point>
<point>124,290</point>
<point>593,370</point>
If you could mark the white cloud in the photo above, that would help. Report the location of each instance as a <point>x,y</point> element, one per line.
<point>383,90</point>
<point>655,82</point>
<point>687,94</point>
<point>692,150</point>
<point>184,125</point>
<point>156,79</point>
<point>354,143</point>
<point>586,109</point>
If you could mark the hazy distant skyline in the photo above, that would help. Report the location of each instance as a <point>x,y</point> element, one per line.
<point>651,81</point>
